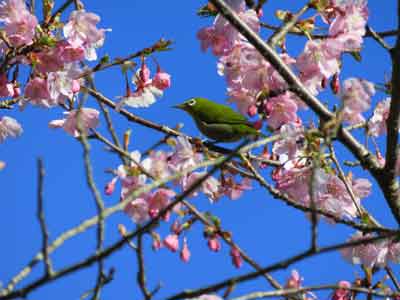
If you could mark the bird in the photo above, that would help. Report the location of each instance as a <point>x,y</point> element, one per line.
<point>217,121</point>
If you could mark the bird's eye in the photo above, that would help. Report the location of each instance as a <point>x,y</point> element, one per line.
<point>192,102</point>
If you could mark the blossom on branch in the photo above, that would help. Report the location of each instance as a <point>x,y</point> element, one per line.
<point>77,121</point>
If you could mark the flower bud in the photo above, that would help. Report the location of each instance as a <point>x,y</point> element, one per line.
<point>185,252</point>
<point>171,242</point>
<point>236,257</point>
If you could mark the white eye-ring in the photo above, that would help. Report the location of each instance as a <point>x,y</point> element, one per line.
<point>192,102</point>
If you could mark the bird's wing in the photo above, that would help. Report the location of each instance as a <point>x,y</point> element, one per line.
<point>218,114</point>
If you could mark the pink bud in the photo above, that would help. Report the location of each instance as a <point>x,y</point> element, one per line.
<point>144,73</point>
<point>185,252</point>
<point>214,244</point>
<point>260,13</point>
<point>109,189</point>
<point>76,86</point>
<point>162,80</point>
<point>171,242</point>
<point>258,124</point>
<point>236,257</point>
<point>252,110</point>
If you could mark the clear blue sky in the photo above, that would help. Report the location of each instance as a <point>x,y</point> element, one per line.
<point>264,227</point>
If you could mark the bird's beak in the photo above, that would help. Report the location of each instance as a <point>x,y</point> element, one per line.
<point>178,106</point>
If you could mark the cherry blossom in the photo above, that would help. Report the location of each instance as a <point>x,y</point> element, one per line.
<point>19,23</point>
<point>356,96</point>
<point>319,61</point>
<point>377,124</point>
<point>37,93</point>
<point>81,31</point>
<point>6,88</point>
<point>9,127</point>
<point>281,110</point>
<point>88,118</point>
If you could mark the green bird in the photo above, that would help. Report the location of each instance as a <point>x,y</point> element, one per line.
<point>218,122</point>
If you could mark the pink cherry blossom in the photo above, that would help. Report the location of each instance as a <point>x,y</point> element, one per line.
<point>9,127</point>
<point>222,36</point>
<point>294,281</point>
<point>319,61</point>
<point>291,143</point>
<point>356,96</point>
<point>349,25</point>
<point>37,93</point>
<point>88,118</point>
<point>68,53</point>
<point>370,255</point>
<point>281,110</point>
<point>171,242</point>
<point>147,89</point>
<point>342,293</point>
<point>138,210</point>
<point>184,156</point>
<point>63,84</point>
<point>48,60</point>
<point>162,80</point>
<point>81,31</point>
<point>377,124</point>
<point>159,200</point>
<point>156,164</point>
<point>185,252</point>
<point>210,187</point>
<point>233,189</point>
<point>6,88</point>
<point>19,23</point>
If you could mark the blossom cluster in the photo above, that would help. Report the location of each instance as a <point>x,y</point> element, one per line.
<point>160,165</point>
<point>53,53</point>
<point>306,175</point>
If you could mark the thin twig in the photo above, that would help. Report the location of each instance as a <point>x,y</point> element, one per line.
<point>42,221</point>
<point>283,30</point>
<point>99,206</point>
<point>378,38</point>
<point>141,275</point>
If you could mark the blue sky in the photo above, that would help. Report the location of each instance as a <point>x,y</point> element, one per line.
<point>264,227</point>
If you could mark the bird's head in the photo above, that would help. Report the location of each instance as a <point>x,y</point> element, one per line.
<point>192,105</point>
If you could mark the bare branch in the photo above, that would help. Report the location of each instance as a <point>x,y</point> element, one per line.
<point>42,221</point>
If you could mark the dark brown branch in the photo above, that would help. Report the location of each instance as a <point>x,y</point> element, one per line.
<point>391,190</point>
<point>42,221</point>
<point>141,275</point>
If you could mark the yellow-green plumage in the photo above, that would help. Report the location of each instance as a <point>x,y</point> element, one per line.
<point>218,122</point>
